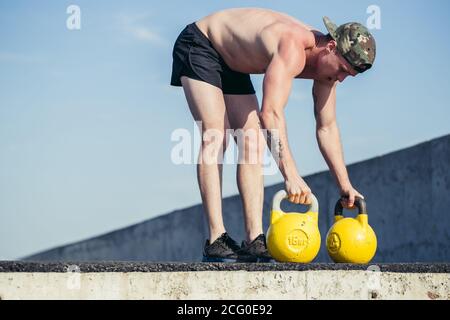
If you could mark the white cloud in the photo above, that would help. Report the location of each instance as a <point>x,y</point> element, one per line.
<point>147,35</point>
<point>138,27</point>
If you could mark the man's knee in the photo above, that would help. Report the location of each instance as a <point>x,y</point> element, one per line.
<point>251,145</point>
<point>214,144</point>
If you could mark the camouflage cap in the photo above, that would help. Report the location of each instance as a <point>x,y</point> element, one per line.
<point>354,42</point>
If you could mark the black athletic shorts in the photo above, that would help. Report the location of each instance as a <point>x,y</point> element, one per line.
<point>195,58</point>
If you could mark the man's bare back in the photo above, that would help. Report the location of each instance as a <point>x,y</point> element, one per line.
<point>247,38</point>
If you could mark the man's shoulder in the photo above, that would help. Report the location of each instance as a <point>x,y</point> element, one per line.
<point>297,36</point>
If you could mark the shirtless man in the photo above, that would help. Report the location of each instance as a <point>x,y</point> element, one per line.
<point>212,62</point>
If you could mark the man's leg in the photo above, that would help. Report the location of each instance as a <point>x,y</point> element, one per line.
<point>207,105</point>
<point>243,113</point>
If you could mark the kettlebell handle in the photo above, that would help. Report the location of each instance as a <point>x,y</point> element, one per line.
<point>281,195</point>
<point>359,203</point>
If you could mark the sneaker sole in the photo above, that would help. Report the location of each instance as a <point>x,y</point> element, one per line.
<point>256,260</point>
<point>215,259</point>
<point>266,260</point>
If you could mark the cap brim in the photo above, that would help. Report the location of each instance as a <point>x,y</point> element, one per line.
<point>331,26</point>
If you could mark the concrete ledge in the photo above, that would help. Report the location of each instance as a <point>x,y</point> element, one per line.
<point>133,280</point>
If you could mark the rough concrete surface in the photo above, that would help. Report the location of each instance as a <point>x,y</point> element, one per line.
<point>232,285</point>
<point>128,266</point>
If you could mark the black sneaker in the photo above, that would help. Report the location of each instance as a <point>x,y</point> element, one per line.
<point>224,249</point>
<point>257,250</point>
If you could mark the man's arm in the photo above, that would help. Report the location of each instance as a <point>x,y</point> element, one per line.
<point>285,65</point>
<point>327,133</point>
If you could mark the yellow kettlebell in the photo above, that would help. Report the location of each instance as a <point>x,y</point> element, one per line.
<point>293,236</point>
<point>351,240</point>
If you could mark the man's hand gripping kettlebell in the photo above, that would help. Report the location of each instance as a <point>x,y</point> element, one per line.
<point>348,194</point>
<point>297,190</point>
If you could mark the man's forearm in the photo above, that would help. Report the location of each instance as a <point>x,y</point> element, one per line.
<point>331,148</point>
<point>277,142</point>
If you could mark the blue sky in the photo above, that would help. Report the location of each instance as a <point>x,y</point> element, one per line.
<point>86,116</point>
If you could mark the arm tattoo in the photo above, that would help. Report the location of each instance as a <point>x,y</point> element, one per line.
<point>274,143</point>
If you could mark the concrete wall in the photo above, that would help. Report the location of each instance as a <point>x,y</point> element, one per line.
<point>231,285</point>
<point>230,281</point>
<point>408,201</point>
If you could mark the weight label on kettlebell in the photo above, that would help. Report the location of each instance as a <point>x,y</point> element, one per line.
<point>297,240</point>
<point>334,242</point>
